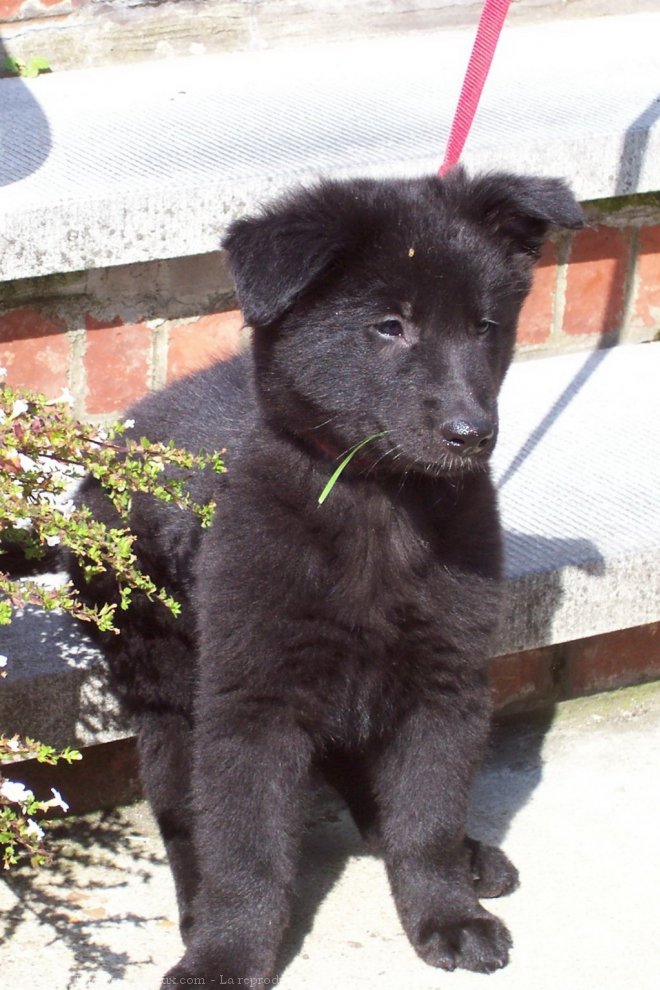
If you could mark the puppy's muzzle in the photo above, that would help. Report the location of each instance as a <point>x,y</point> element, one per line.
<point>468,437</point>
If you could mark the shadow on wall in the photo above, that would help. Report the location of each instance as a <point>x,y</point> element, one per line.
<point>533,591</point>
<point>25,139</point>
<point>56,690</point>
<point>631,162</point>
<point>635,146</point>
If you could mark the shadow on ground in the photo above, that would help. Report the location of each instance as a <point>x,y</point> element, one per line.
<point>81,898</point>
<point>511,773</point>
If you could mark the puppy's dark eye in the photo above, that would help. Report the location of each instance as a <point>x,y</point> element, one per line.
<point>390,328</point>
<point>486,325</point>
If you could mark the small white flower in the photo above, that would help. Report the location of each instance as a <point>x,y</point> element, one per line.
<point>33,830</point>
<point>56,801</point>
<point>20,406</point>
<point>101,434</point>
<point>129,423</point>
<point>3,374</point>
<point>22,523</point>
<point>13,744</point>
<point>52,541</point>
<point>65,396</point>
<point>14,791</point>
<point>3,660</point>
<point>3,418</point>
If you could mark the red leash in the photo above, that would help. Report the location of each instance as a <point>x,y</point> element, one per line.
<point>485,43</point>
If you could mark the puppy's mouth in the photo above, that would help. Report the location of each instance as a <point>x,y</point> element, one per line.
<point>445,463</point>
<point>386,456</point>
<point>440,456</point>
<point>462,448</point>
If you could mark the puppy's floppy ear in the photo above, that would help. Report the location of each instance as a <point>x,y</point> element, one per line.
<point>522,208</point>
<point>275,256</point>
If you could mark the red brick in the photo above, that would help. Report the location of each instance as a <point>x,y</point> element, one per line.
<point>116,363</point>
<point>647,304</point>
<point>9,8</point>
<point>613,660</point>
<point>535,323</point>
<point>106,776</point>
<point>523,681</point>
<point>596,280</point>
<point>14,10</point>
<point>35,350</point>
<point>197,345</point>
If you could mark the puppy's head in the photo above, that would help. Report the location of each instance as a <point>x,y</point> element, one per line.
<point>390,307</point>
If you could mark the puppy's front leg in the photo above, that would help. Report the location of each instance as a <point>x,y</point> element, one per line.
<point>423,780</point>
<point>251,772</point>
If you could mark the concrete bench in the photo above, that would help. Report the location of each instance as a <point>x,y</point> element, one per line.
<point>148,161</point>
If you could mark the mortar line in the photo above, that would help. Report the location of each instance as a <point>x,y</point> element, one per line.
<point>564,246</point>
<point>631,284</point>
<point>77,375</point>
<point>158,357</point>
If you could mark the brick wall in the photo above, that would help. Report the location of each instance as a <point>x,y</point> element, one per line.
<point>599,286</point>
<point>537,679</point>
<point>110,335</point>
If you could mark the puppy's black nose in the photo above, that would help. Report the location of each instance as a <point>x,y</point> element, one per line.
<point>468,436</point>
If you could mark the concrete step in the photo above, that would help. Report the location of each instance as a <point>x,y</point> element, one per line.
<point>579,484</point>
<point>132,163</point>
<point>578,479</point>
<point>574,804</point>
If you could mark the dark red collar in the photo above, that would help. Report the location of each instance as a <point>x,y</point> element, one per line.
<point>359,463</point>
<point>326,450</point>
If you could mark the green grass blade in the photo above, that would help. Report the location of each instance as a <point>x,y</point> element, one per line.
<point>349,457</point>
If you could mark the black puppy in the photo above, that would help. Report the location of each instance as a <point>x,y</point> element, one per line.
<point>351,637</point>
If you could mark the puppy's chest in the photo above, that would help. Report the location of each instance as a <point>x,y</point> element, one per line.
<point>383,567</point>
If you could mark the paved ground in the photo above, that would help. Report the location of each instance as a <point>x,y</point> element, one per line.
<point>575,803</point>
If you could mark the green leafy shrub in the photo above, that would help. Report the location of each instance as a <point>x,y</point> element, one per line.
<point>20,833</point>
<point>34,66</point>
<point>44,451</point>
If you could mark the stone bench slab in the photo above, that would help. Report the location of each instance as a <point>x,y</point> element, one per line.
<point>139,162</point>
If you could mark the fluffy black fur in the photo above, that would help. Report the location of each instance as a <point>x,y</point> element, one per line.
<point>349,638</point>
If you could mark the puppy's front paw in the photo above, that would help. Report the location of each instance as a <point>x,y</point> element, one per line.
<point>493,873</point>
<point>480,943</point>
